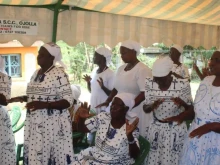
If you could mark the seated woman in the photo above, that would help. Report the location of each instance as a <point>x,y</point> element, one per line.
<point>116,140</point>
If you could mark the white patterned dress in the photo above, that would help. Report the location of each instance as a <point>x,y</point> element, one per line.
<point>166,139</point>
<point>7,141</point>
<point>111,145</point>
<point>206,149</point>
<point>48,133</point>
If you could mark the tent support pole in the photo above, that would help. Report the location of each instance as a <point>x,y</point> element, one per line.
<point>55,20</point>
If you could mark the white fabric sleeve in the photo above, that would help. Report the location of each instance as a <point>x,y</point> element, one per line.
<point>142,74</point>
<point>93,123</point>
<point>110,81</point>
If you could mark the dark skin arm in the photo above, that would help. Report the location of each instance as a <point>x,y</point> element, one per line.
<point>151,107</point>
<point>18,99</point>
<point>35,105</point>
<point>109,99</point>
<point>188,114</point>
<point>88,79</point>
<point>3,100</point>
<point>201,76</point>
<point>204,129</point>
<point>139,99</point>
<point>106,90</point>
<point>83,112</point>
<point>134,150</point>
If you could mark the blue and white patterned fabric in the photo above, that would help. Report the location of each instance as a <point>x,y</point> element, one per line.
<point>7,141</point>
<point>166,139</point>
<point>48,133</point>
<point>206,149</point>
<point>111,145</point>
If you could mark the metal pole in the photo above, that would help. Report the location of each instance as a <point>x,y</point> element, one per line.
<point>55,20</point>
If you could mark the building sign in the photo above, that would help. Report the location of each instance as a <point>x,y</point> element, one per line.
<point>8,26</point>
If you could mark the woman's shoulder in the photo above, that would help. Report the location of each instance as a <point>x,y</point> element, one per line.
<point>208,79</point>
<point>6,77</point>
<point>143,66</point>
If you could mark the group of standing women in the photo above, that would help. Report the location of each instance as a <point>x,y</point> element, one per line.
<point>162,101</point>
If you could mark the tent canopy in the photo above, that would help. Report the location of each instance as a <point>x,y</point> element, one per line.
<point>185,22</point>
<point>191,11</point>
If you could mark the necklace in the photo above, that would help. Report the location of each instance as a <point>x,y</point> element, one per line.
<point>127,68</point>
<point>40,77</point>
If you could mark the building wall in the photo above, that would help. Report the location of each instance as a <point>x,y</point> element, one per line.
<point>23,51</point>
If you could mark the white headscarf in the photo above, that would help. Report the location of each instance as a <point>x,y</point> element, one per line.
<point>133,45</point>
<point>106,53</point>
<point>55,51</point>
<point>127,98</point>
<point>177,47</point>
<point>76,91</point>
<point>162,67</point>
<point>2,65</point>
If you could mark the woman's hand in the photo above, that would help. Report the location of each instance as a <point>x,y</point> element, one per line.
<point>131,127</point>
<point>87,78</point>
<point>204,129</point>
<point>178,101</point>
<point>83,111</point>
<point>35,105</point>
<point>100,81</point>
<point>16,99</point>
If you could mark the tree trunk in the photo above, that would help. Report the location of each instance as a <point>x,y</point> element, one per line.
<point>87,55</point>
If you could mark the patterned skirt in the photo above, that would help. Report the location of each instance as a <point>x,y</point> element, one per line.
<point>48,138</point>
<point>7,141</point>
<point>166,142</point>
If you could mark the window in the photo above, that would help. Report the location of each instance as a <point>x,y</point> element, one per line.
<point>13,64</point>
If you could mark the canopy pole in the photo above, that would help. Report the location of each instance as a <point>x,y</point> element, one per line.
<point>55,19</point>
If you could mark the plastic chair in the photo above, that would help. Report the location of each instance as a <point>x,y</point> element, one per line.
<point>19,157</point>
<point>15,115</point>
<point>15,128</point>
<point>144,150</point>
<point>188,123</point>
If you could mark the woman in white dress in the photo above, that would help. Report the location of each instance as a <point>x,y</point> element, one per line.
<point>202,144</point>
<point>116,140</point>
<point>101,81</point>
<point>130,78</point>
<point>7,141</point>
<point>179,70</point>
<point>48,130</point>
<point>165,96</point>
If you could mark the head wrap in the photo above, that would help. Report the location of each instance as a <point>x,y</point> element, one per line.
<point>177,47</point>
<point>106,53</point>
<point>76,91</point>
<point>162,67</point>
<point>133,45</point>
<point>55,51</point>
<point>2,64</point>
<point>127,98</point>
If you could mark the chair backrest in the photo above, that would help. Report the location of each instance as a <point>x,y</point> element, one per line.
<point>15,115</point>
<point>144,150</point>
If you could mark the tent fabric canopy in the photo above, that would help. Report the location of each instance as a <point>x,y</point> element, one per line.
<point>191,11</point>
<point>94,28</point>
